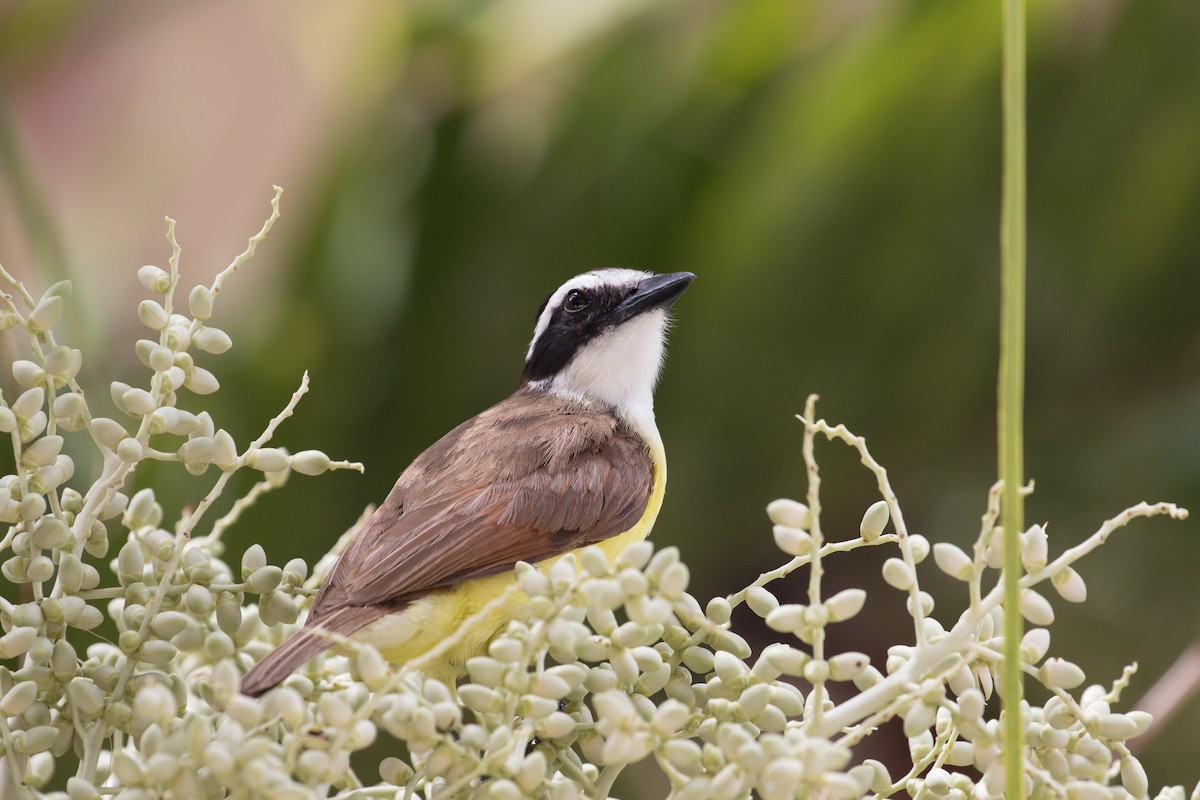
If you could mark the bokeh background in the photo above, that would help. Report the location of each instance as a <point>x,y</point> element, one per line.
<point>830,171</point>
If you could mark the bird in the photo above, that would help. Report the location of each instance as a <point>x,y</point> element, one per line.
<point>573,458</point>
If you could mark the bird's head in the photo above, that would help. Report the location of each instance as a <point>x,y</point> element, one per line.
<point>600,336</point>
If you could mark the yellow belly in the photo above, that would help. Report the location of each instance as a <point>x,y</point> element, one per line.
<point>427,622</point>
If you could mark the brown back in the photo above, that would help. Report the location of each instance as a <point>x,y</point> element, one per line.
<point>533,476</point>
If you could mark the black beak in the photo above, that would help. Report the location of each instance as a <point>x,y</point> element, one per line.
<point>657,291</point>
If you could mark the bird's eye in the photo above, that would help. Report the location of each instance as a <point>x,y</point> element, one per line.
<point>576,301</point>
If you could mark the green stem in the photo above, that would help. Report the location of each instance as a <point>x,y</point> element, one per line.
<point>1012,377</point>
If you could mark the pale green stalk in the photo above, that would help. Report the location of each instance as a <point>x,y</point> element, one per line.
<point>1012,378</point>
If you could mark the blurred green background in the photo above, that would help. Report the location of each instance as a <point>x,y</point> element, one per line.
<point>830,171</point>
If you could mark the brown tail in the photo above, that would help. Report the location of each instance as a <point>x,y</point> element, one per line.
<point>303,645</point>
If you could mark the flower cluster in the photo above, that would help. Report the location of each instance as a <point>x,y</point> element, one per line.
<point>615,662</point>
<point>176,607</point>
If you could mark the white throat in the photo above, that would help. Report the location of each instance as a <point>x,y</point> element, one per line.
<point>619,369</point>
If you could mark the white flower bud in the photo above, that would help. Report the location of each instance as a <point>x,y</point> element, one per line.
<point>254,559</point>
<point>874,521</point>
<point>130,563</point>
<point>264,580</point>
<point>897,574</point>
<point>508,650</point>
<point>137,402</point>
<point>8,420</point>
<point>392,770</point>
<point>69,405</point>
<point>200,302</point>
<point>32,507</point>
<point>674,581</point>
<point>761,601</point>
<point>845,604</point>
<point>789,513</point>
<point>1141,721</point>
<point>728,666</point>
<point>154,279</point>
<point>718,610</point>
<point>698,660</point>
<point>816,671</point>
<point>30,614</point>
<point>212,340</point>
<point>593,560</point>
<point>198,599</point>
<point>1034,548</point>
<point>1034,645</point>
<point>29,402</point>
<point>33,426</point>
<point>45,314</point>
<point>793,541</point>
<point>1036,608</point>
<point>224,451</point>
<point>848,666</point>
<point>51,533</point>
<point>295,571</point>
<point>1116,727</point>
<point>1133,777</point>
<point>168,623</point>
<point>152,315</point>
<point>85,697</point>
<point>88,619</point>
<point>108,432</point>
<point>486,670</point>
<point>17,642</point>
<point>142,349</point>
<point>532,773</point>
<point>1058,673</point>
<point>197,450</point>
<point>1069,585</point>
<point>129,450</point>
<point>550,686</point>
<point>535,707</point>
<point>786,659</point>
<point>79,789</point>
<point>179,339</point>
<point>683,754</point>
<point>201,381</point>
<point>970,705</point>
<point>63,362</point>
<point>752,703</point>
<point>160,358</point>
<point>309,462</point>
<point>480,699</point>
<point>938,782</point>
<point>372,668</point>
<point>28,374</point>
<point>951,560</point>
<point>48,478</point>
<point>787,618</point>
<point>70,572</point>
<point>35,740</point>
<point>154,703</point>
<point>781,777</point>
<point>636,555</point>
<point>42,452</point>
<point>919,546</point>
<point>157,652</point>
<point>19,698</point>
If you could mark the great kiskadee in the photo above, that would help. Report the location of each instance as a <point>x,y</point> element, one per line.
<point>571,459</point>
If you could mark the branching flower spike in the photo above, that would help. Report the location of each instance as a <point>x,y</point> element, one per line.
<point>617,663</point>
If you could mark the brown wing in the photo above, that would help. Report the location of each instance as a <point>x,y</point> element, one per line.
<point>531,477</point>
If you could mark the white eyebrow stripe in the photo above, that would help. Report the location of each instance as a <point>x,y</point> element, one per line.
<point>611,276</point>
